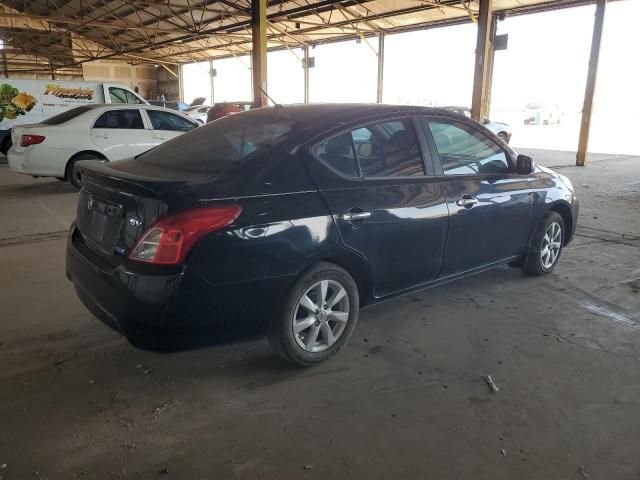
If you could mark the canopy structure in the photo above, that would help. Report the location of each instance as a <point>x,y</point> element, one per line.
<point>58,36</point>
<point>61,34</point>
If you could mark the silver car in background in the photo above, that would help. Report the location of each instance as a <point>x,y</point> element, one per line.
<point>502,130</point>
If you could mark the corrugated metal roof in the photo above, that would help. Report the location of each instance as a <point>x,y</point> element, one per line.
<point>66,33</point>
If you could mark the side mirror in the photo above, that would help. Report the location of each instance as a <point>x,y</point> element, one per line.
<point>525,164</point>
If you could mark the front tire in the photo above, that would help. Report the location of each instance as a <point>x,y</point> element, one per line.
<point>546,245</point>
<point>318,317</point>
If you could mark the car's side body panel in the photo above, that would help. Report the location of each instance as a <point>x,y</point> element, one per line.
<point>494,229</point>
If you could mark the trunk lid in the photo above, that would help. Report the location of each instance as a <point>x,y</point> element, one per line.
<point>114,211</point>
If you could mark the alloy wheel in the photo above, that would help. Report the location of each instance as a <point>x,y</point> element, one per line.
<point>551,245</point>
<point>320,316</point>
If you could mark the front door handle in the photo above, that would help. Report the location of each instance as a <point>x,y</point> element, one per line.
<point>466,201</point>
<point>101,135</point>
<point>160,137</point>
<point>351,217</point>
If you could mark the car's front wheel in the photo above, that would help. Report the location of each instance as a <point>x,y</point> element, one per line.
<point>546,245</point>
<point>319,316</point>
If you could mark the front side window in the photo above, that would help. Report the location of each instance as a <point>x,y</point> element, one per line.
<point>131,98</point>
<point>168,121</point>
<point>388,149</point>
<point>124,119</point>
<point>466,151</point>
<point>117,95</point>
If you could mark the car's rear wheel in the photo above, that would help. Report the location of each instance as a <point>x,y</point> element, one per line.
<point>319,316</point>
<point>546,245</point>
<point>6,145</point>
<point>73,175</point>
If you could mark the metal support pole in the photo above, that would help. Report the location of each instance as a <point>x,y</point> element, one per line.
<point>180,84</point>
<point>211,90</point>
<point>5,64</point>
<point>259,51</point>
<point>587,107</point>
<point>306,73</point>
<point>490,62</point>
<point>479,108</point>
<point>380,66</point>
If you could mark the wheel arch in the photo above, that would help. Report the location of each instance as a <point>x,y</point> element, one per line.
<point>355,266</point>
<point>564,211</point>
<point>82,152</point>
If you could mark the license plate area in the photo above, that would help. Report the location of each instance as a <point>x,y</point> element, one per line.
<point>100,220</point>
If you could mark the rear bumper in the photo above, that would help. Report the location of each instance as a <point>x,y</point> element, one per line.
<point>174,310</point>
<point>37,160</point>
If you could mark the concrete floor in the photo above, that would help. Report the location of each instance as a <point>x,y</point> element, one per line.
<point>405,400</point>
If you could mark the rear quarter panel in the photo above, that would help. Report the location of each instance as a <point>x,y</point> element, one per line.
<point>235,279</point>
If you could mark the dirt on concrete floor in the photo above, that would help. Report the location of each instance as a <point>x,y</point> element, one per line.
<point>406,399</point>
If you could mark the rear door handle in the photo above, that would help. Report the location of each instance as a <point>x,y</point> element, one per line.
<point>101,135</point>
<point>466,201</point>
<point>351,217</point>
<point>160,137</point>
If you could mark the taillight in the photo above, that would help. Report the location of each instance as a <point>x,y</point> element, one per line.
<point>26,140</point>
<point>169,239</point>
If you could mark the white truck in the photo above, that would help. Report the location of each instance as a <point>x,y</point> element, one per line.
<point>31,101</point>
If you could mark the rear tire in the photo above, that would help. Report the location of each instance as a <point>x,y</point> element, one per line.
<point>546,245</point>
<point>72,175</point>
<point>7,143</point>
<point>318,317</point>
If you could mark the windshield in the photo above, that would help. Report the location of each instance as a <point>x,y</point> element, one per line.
<point>66,116</point>
<point>221,144</point>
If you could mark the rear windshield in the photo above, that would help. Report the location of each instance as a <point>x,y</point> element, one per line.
<point>66,116</point>
<point>221,144</point>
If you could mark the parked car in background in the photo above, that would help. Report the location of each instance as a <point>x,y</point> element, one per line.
<point>25,102</point>
<point>179,106</point>
<point>223,109</point>
<point>53,147</point>
<point>502,130</point>
<point>540,113</point>
<point>198,113</point>
<point>273,222</point>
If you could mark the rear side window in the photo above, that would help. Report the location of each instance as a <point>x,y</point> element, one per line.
<point>66,116</point>
<point>337,153</point>
<point>168,121</point>
<point>388,149</point>
<point>123,119</point>
<point>466,151</point>
<point>379,150</point>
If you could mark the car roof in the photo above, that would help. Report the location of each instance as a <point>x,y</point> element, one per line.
<point>320,118</point>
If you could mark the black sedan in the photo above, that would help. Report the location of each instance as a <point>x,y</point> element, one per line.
<point>283,222</point>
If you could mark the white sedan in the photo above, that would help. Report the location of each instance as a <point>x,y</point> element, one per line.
<point>92,132</point>
<point>198,113</point>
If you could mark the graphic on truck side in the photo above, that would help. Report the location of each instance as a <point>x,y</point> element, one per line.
<point>13,102</point>
<point>68,93</point>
